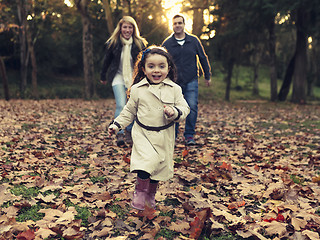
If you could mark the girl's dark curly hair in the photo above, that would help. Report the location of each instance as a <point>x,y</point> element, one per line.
<point>141,61</point>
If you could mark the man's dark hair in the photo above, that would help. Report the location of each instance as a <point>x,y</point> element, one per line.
<point>177,16</point>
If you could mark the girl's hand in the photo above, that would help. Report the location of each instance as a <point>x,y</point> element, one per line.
<point>113,129</point>
<point>168,110</point>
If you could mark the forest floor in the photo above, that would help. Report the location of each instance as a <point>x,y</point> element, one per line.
<point>254,174</point>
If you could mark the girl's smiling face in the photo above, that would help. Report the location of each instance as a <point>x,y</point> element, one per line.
<point>156,68</point>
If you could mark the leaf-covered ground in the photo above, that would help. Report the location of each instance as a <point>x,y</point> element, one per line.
<point>255,174</point>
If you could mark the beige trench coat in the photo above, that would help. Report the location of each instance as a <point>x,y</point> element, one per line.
<point>152,151</point>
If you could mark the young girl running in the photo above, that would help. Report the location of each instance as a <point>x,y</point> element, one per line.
<point>156,103</point>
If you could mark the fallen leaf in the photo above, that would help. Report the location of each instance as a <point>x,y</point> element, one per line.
<point>27,235</point>
<point>185,153</point>
<point>276,228</point>
<point>45,233</point>
<point>180,226</point>
<point>311,235</point>
<point>298,223</point>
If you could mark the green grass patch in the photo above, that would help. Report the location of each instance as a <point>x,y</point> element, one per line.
<point>171,202</point>
<point>30,213</point>
<point>83,213</point>
<point>9,144</point>
<point>97,179</point>
<point>121,212</point>
<point>29,126</point>
<point>83,153</point>
<point>178,160</point>
<point>23,191</point>
<point>4,180</point>
<point>51,87</point>
<point>242,85</point>
<point>167,214</point>
<point>296,179</point>
<point>49,192</point>
<point>225,236</point>
<point>311,124</point>
<point>166,233</point>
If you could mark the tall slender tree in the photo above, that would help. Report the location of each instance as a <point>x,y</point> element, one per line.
<point>24,54</point>
<point>4,79</point>
<point>300,70</point>
<point>108,16</point>
<point>87,48</point>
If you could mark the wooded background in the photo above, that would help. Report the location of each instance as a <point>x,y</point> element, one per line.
<point>41,40</point>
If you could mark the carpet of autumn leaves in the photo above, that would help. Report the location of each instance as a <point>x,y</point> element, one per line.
<point>254,174</point>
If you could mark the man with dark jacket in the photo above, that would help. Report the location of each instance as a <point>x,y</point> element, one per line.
<point>187,50</point>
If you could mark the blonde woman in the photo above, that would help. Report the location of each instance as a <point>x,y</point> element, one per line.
<point>121,51</point>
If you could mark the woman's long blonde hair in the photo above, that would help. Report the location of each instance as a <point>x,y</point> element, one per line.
<point>138,40</point>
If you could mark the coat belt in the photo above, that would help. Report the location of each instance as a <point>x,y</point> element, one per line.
<point>150,128</point>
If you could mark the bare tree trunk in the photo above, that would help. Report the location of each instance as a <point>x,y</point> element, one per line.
<point>255,61</point>
<point>198,22</point>
<point>88,58</point>
<point>285,87</point>
<point>273,64</point>
<point>300,71</point>
<point>87,48</point>
<point>255,87</point>
<point>4,79</point>
<point>108,16</point>
<point>127,9</point>
<point>228,78</point>
<point>313,69</point>
<point>24,55</point>
<point>35,92</point>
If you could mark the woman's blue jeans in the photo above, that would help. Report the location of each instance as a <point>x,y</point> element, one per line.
<point>120,96</point>
<point>190,93</point>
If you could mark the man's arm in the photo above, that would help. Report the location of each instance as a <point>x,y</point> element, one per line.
<point>204,61</point>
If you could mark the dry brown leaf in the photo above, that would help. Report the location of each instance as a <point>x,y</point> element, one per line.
<point>11,211</point>
<point>180,226</point>
<point>276,228</point>
<point>311,235</point>
<point>155,230</point>
<point>298,223</point>
<point>27,235</point>
<point>47,199</point>
<point>66,217</point>
<point>107,222</point>
<point>72,233</point>
<point>45,233</point>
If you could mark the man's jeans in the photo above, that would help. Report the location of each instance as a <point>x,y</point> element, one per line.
<point>120,96</point>
<point>190,93</point>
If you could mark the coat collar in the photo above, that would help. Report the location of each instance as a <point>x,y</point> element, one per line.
<point>155,91</point>
<point>144,81</point>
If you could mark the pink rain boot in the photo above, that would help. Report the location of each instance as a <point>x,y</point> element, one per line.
<point>140,193</point>
<point>151,194</point>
